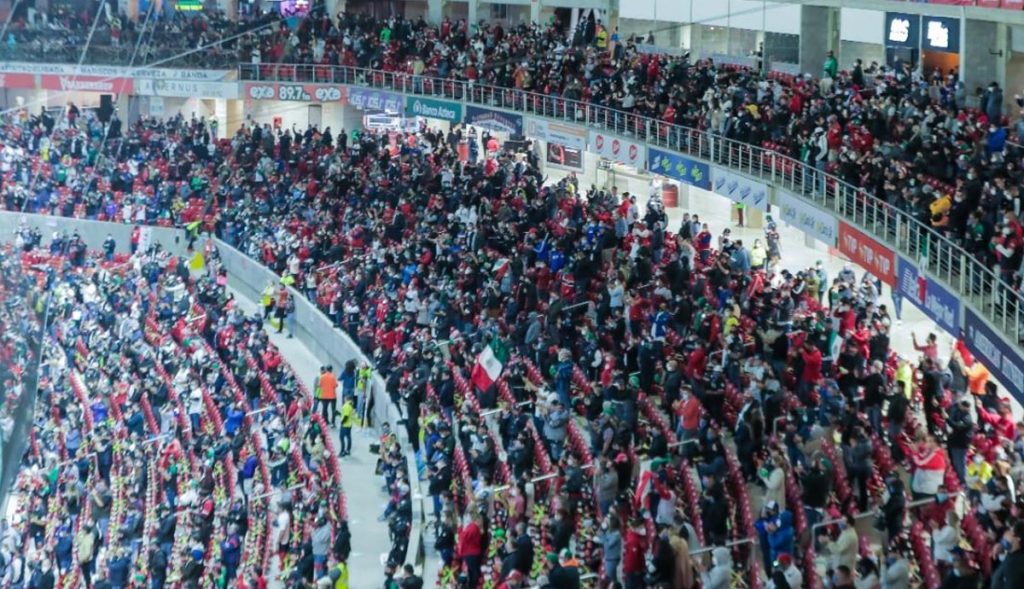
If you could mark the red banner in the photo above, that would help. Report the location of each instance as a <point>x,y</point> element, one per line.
<point>27,81</point>
<point>85,84</point>
<point>867,253</point>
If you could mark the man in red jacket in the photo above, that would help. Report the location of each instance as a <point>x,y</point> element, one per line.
<point>633,561</point>
<point>811,372</point>
<point>469,550</point>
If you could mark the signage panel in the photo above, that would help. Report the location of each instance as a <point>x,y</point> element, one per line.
<point>186,89</point>
<point>934,300</point>
<point>432,108</point>
<point>941,35</point>
<point>1005,363</point>
<point>864,251</point>
<point>494,120</point>
<point>106,85</point>
<point>294,92</point>
<point>808,218</point>
<point>739,188</point>
<point>902,30</point>
<point>624,151</point>
<point>679,168</point>
<point>112,71</point>
<point>568,135</point>
<point>21,81</point>
<point>370,99</point>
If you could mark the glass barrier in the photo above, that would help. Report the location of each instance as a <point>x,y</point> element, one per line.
<point>981,286</point>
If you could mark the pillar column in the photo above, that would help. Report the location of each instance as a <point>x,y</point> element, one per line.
<point>473,16</point>
<point>819,34</point>
<point>435,11</point>
<point>333,7</point>
<point>535,11</point>
<point>984,56</point>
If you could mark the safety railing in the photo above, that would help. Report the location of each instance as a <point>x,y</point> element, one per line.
<point>982,287</point>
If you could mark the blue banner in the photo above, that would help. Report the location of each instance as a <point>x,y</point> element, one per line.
<point>1005,363</point>
<point>494,120</point>
<point>679,168</point>
<point>934,300</point>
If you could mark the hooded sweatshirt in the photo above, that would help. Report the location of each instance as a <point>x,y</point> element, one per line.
<point>720,575</point>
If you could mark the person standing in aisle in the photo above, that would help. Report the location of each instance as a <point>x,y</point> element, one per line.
<point>327,394</point>
<point>348,419</point>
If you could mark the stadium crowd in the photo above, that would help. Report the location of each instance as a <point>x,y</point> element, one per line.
<point>906,138</point>
<point>170,445</point>
<point>588,390</point>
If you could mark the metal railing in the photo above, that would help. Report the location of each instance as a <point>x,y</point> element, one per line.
<point>980,286</point>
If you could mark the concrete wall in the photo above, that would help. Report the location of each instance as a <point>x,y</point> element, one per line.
<point>93,233</point>
<point>819,34</point>
<point>850,51</point>
<point>978,65</point>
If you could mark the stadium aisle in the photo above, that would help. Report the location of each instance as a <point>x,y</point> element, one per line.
<point>363,488</point>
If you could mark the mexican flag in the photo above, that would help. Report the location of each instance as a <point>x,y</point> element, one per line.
<point>489,365</point>
<point>500,268</point>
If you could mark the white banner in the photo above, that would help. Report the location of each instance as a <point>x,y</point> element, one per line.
<point>187,89</point>
<point>808,218</point>
<point>620,150</point>
<point>568,135</point>
<point>739,188</point>
<point>113,71</point>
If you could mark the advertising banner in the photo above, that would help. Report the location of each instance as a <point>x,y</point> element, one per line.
<point>186,89</point>
<point>22,81</point>
<point>1005,363</point>
<point>679,168</point>
<point>565,135</point>
<point>102,84</point>
<point>624,151</point>
<point>112,71</point>
<point>294,92</point>
<point>739,188</point>
<point>432,108</point>
<point>807,218</point>
<point>939,304</point>
<point>370,99</point>
<point>494,120</point>
<point>864,251</point>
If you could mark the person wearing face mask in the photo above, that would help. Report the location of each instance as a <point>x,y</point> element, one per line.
<point>1010,574</point>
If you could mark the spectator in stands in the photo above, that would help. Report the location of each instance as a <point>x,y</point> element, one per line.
<point>1011,571</point>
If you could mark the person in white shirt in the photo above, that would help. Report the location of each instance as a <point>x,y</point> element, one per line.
<point>945,538</point>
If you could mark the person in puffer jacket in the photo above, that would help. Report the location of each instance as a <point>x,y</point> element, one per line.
<point>780,535</point>
<point>720,575</point>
